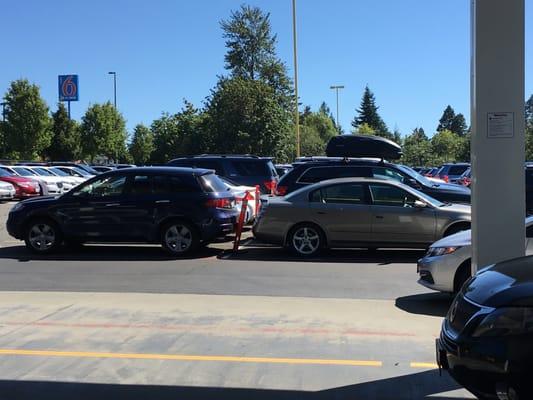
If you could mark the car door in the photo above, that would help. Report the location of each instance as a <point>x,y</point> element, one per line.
<point>343,211</point>
<point>395,219</point>
<point>92,211</point>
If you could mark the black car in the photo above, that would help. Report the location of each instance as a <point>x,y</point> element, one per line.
<point>245,170</point>
<point>316,170</point>
<point>177,207</point>
<point>486,342</point>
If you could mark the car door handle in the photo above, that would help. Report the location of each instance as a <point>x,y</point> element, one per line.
<point>112,204</point>
<point>162,202</point>
<point>379,217</point>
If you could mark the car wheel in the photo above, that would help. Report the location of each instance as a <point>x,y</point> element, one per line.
<point>306,240</point>
<point>42,236</point>
<point>180,238</point>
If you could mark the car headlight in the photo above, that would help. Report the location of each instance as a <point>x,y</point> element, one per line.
<point>506,321</point>
<point>17,207</point>
<point>440,251</point>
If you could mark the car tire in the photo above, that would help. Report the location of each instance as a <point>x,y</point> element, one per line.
<point>42,236</point>
<point>306,240</point>
<point>463,273</point>
<point>180,238</point>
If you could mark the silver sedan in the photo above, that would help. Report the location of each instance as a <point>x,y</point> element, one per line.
<point>357,212</point>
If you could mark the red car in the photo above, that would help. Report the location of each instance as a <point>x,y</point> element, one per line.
<point>24,187</point>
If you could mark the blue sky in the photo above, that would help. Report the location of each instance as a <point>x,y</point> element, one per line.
<point>414,54</point>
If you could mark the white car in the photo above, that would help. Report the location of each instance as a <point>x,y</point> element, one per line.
<point>47,187</point>
<point>447,264</point>
<point>7,191</point>
<point>72,180</point>
<point>239,192</point>
<point>73,171</point>
<point>55,184</point>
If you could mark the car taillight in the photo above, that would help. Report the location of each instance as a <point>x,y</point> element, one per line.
<point>226,203</point>
<point>446,178</point>
<point>281,190</point>
<point>466,181</point>
<point>271,185</point>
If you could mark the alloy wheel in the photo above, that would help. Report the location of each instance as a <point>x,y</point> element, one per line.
<point>178,238</point>
<point>42,237</point>
<point>306,240</point>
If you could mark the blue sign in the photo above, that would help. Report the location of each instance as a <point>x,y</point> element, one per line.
<point>68,88</point>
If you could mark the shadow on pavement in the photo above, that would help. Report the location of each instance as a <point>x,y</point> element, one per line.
<point>434,304</point>
<point>115,252</point>
<point>418,386</point>
<point>380,257</point>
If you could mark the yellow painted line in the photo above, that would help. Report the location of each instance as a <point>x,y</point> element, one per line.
<point>179,357</point>
<point>423,365</point>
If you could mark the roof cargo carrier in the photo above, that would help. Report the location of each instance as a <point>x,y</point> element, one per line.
<point>357,146</point>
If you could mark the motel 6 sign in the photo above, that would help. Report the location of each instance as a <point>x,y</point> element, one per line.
<point>68,87</point>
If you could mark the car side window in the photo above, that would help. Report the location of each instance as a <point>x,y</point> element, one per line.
<point>347,193</point>
<point>166,184</point>
<point>386,173</point>
<point>318,174</point>
<point>529,231</point>
<point>209,164</point>
<point>388,195</point>
<point>316,196</point>
<point>141,185</point>
<point>105,187</point>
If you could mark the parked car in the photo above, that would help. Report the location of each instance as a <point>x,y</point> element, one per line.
<point>282,169</point>
<point>64,183</point>
<point>87,168</point>
<point>466,178</point>
<point>357,212</point>
<point>53,186</point>
<point>7,191</point>
<point>177,207</point>
<point>431,172</point>
<point>447,264</point>
<point>486,341</point>
<point>75,171</point>
<point>102,168</point>
<point>243,169</point>
<point>307,173</point>
<point>73,180</point>
<point>239,191</point>
<point>122,166</point>
<point>24,187</point>
<point>451,172</point>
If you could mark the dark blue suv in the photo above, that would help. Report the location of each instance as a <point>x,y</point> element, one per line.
<point>177,207</point>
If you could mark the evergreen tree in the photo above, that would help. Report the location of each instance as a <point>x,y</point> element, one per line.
<point>417,149</point>
<point>28,127</point>
<point>66,139</point>
<point>324,109</point>
<point>446,121</point>
<point>529,112</point>
<point>458,125</point>
<point>368,114</point>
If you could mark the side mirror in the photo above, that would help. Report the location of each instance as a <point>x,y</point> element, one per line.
<point>420,204</point>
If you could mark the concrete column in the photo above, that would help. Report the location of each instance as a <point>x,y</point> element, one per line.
<point>497,111</point>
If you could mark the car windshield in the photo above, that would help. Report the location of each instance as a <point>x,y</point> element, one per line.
<point>3,172</point>
<point>81,171</point>
<point>428,199</point>
<point>24,171</point>
<point>58,172</point>
<point>415,175</point>
<point>42,172</point>
<point>212,183</point>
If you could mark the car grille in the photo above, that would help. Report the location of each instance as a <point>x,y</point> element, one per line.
<point>460,313</point>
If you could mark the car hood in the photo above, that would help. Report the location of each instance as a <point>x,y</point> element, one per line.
<point>41,201</point>
<point>459,239</point>
<point>506,284</point>
<point>451,188</point>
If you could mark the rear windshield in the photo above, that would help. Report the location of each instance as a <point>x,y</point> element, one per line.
<point>254,168</point>
<point>212,183</point>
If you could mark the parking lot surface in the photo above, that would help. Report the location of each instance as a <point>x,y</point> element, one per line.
<point>126,321</point>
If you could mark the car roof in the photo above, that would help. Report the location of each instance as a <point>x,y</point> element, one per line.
<point>223,156</point>
<point>341,161</point>
<point>361,179</point>
<point>163,170</point>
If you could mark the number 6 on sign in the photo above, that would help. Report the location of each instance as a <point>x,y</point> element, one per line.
<point>68,87</point>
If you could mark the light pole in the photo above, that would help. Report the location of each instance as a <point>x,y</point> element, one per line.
<point>114,88</point>
<point>336,88</point>
<point>296,113</point>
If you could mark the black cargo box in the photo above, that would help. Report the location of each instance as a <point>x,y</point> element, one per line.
<point>363,146</point>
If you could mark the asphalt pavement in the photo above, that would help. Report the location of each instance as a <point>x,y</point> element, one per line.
<point>127,322</point>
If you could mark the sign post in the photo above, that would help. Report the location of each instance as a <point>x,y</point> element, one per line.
<point>68,89</point>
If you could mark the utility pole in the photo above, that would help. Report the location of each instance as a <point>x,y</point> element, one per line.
<point>336,88</point>
<point>114,88</point>
<point>296,113</point>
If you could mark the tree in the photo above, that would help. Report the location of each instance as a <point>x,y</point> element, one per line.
<point>244,116</point>
<point>252,50</point>
<point>446,146</point>
<point>142,144</point>
<point>446,121</point>
<point>458,125</point>
<point>66,139</point>
<point>103,132</point>
<point>529,112</point>
<point>316,130</point>
<point>368,114</point>
<point>27,130</point>
<point>180,134</point>
<point>417,149</point>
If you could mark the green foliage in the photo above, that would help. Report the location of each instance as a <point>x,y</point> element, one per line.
<point>27,130</point>
<point>417,149</point>
<point>450,121</point>
<point>364,129</point>
<point>315,131</point>
<point>66,140</point>
<point>368,114</point>
<point>252,50</point>
<point>244,116</point>
<point>324,109</point>
<point>103,132</point>
<point>529,112</point>
<point>446,146</point>
<point>142,144</point>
